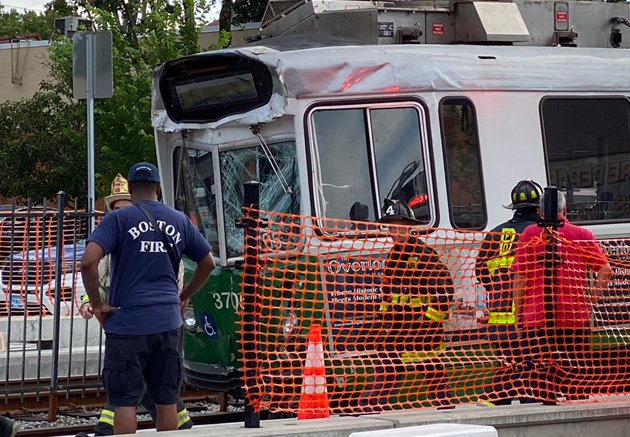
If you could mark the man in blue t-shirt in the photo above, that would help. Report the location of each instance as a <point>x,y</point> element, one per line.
<point>142,320</point>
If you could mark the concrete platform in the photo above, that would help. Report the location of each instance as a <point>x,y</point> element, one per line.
<point>605,419</point>
<point>29,341</point>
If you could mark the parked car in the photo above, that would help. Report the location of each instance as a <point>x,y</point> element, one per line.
<point>24,228</point>
<point>28,280</point>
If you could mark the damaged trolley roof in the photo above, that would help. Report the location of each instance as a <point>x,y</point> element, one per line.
<point>302,68</point>
<point>381,69</point>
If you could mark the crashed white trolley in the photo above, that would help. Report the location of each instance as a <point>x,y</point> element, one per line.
<point>448,129</point>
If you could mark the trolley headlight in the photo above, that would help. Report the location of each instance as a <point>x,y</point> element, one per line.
<point>289,323</point>
<point>190,322</point>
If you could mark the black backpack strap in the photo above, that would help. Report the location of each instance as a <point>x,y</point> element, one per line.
<point>168,245</point>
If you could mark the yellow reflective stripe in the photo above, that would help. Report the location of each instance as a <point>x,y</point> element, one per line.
<point>499,318</point>
<point>508,235</point>
<point>106,420</point>
<point>107,416</point>
<point>183,417</point>
<point>487,404</point>
<point>434,314</point>
<point>415,357</point>
<point>497,263</point>
<point>503,317</point>
<point>85,298</point>
<point>400,299</point>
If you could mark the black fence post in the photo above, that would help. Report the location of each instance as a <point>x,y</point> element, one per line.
<point>551,223</point>
<point>251,199</point>
<point>53,402</point>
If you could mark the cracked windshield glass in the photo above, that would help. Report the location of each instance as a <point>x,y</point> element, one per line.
<point>237,167</point>
<point>251,164</point>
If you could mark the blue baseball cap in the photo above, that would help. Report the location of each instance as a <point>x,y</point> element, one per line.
<point>143,172</point>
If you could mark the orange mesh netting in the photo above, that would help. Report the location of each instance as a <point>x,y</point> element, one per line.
<point>422,320</point>
<point>27,264</point>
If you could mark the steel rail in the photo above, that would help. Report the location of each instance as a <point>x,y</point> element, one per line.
<point>203,419</point>
<point>17,397</point>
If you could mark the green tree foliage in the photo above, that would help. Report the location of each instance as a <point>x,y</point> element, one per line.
<point>145,34</point>
<point>14,22</point>
<point>41,147</point>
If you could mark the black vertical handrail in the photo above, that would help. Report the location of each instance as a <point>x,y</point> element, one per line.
<point>10,305</point>
<point>52,409</point>
<point>27,238</point>
<point>41,267</point>
<point>551,223</point>
<point>251,199</point>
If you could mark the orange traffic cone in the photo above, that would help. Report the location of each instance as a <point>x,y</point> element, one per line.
<point>314,396</point>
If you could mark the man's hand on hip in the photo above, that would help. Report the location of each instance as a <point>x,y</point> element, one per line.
<point>102,313</point>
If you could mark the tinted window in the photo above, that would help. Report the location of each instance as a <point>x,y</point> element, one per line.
<point>463,164</point>
<point>587,145</point>
<point>399,163</point>
<point>367,154</point>
<point>341,137</point>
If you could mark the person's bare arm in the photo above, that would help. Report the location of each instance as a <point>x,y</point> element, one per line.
<point>601,283</point>
<point>89,273</point>
<point>204,267</point>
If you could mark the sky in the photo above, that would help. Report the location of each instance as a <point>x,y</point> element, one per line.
<point>36,5</point>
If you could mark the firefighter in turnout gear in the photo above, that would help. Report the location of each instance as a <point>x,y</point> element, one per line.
<point>493,272</point>
<point>417,292</point>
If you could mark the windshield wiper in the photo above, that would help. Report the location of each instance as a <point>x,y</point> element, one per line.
<point>180,197</point>
<point>255,128</point>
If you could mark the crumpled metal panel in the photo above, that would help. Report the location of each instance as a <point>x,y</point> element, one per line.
<point>389,70</point>
<point>406,69</point>
<point>273,109</point>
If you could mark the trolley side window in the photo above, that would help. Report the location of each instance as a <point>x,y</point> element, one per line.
<point>462,164</point>
<point>587,147</point>
<point>342,143</point>
<point>365,154</point>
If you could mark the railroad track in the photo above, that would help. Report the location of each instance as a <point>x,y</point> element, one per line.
<point>34,401</point>
<point>20,397</point>
<point>205,419</point>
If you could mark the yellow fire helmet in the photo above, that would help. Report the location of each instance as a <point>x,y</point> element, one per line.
<point>120,191</point>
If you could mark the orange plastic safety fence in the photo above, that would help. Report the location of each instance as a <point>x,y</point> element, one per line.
<point>416,317</point>
<point>27,264</point>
